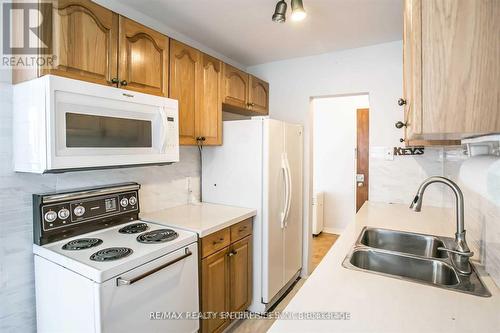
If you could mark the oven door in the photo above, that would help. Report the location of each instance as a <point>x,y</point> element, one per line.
<point>142,299</point>
<point>91,131</point>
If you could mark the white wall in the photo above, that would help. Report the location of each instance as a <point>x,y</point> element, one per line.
<point>334,141</point>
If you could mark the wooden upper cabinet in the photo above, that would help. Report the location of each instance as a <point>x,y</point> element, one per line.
<point>244,93</point>
<point>84,42</point>
<point>144,62</point>
<point>195,81</point>
<point>241,274</point>
<point>451,66</point>
<point>258,95</point>
<point>235,87</point>
<point>185,63</point>
<point>209,120</point>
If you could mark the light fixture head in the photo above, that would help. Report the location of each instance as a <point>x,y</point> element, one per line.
<point>280,12</point>
<point>298,12</point>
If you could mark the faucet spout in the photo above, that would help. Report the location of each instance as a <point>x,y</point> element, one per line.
<point>461,252</point>
<point>416,204</point>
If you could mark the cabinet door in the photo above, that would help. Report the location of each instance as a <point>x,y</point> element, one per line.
<point>235,87</point>
<point>143,58</point>
<point>184,87</point>
<point>241,274</point>
<point>84,40</point>
<point>258,95</point>
<point>209,117</point>
<point>412,71</point>
<point>215,289</point>
<point>460,67</point>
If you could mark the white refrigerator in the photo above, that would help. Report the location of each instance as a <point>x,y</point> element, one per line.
<point>260,166</point>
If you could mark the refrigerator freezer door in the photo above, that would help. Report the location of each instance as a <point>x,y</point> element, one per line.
<point>273,205</point>
<point>293,223</point>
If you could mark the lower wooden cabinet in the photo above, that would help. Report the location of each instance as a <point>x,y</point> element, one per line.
<point>240,275</point>
<point>226,274</point>
<point>215,289</point>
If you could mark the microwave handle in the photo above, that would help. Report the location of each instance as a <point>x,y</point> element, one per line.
<point>164,123</point>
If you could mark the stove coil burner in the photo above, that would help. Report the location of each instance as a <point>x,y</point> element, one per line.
<point>82,244</point>
<point>134,228</point>
<point>111,253</point>
<point>157,236</point>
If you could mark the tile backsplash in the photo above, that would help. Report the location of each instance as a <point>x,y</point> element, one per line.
<point>479,179</point>
<point>162,187</point>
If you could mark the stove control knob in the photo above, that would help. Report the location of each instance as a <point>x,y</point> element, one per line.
<point>132,201</point>
<point>79,210</point>
<point>124,202</point>
<point>63,214</point>
<point>50,216</point>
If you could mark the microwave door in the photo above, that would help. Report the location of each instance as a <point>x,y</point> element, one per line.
<point>94,131</point>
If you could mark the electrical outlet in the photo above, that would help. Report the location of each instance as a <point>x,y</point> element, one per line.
<point>389,154</point>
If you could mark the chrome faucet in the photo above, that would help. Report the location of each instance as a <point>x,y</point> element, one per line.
<point>460,254</point>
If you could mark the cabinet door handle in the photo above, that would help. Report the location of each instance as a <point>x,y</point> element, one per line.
<point>401,101</point>
<point>123,82</point>
<point>400,124</point>
<point>114,80</point>
<point>218,241</point>
<point>232,253</point>
<point>242,229</point>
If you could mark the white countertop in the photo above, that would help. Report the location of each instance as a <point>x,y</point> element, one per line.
<point>202,218</point>
<point>382,304</point>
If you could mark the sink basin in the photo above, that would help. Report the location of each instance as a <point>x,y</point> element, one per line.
<point>412,257</point>
<point>405,242</point>
<point>429,271</point>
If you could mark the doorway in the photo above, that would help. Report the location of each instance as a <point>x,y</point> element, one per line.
<point>340,154</point>
<point>362,156</point>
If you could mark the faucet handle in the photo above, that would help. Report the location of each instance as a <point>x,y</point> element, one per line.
<point>460,253</point>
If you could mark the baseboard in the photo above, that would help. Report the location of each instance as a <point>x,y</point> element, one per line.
<point>336,231</point>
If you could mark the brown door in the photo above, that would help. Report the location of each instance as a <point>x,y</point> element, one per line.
<point>85,41</point>
<point>362,158</point>
<point>235,87</point>
<point>209,117</point>
<point>258,95</point>
<point>184,86</point>
<point>143,58</point>
<point>241,274</point>
<point>215,289</point>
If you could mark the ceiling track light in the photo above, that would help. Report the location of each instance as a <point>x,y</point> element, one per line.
<point>280,12</point>
<point>298,12</point>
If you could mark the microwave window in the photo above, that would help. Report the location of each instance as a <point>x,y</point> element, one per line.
<point>89,131</point>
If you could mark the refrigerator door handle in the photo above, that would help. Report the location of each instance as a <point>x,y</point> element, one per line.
<point>284,170</point>
<point>289,192</point>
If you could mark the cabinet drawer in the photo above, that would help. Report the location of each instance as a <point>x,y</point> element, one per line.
<point>214,242</point>
<point>241,229</point>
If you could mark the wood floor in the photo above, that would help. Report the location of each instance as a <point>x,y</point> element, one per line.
<point>320,246</point>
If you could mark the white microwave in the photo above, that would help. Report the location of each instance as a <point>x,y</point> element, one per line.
<point>62,124</point>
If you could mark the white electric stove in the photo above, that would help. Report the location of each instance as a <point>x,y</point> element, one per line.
<point>98,268</point>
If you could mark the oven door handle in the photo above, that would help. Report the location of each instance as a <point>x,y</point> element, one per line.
<point>125,282</point>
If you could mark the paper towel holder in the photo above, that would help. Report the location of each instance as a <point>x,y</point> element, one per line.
<point>483,145</point>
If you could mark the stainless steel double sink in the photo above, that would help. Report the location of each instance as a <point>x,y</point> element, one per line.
<point>413,257</point>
